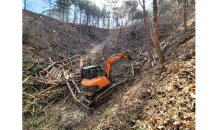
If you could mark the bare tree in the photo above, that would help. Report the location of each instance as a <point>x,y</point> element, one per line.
<point>155,34</point>
<point>146,28</point>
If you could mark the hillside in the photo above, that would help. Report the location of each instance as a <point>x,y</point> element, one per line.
<point>152,98</point>
<point>48,35</point>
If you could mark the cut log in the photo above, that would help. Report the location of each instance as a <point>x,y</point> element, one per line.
<point>65,60</point>
<point>58,65</point>
<point>46,69</point>
<point>59,75</point>
<point>52,74</point>
<point>63,73</point>
<point>44,82</point>
<point>71,92</point>
<point>57,72</point>
<point>49,73</point>
<point>77,88</point>
<point>38,78</point>
<point>81,63</point>
<point>66,73</point>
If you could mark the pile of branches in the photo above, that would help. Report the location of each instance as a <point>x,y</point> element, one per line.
<point>47,83</point>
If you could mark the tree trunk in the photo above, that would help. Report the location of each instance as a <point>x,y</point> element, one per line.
<point>80,25</point>
<point>50,8</point>
<point>146,28</point>
<point>87,19</point>
<point>148,43</point>
<point>24,4</point>
<point>185,26</point>
<point>156,33</point>
<point>59,15</point>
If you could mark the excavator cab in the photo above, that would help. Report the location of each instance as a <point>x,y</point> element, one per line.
<point>91,72</point>
<point>93,80</point>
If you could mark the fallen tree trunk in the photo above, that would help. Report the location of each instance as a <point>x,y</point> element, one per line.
<point>71,92</point>
<point>77,88</point>
<point>44,82</point>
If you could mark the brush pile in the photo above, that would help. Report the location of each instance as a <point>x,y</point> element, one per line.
<point>45,82</point>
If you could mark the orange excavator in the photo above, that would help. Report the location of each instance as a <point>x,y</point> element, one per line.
<point>96,83</point>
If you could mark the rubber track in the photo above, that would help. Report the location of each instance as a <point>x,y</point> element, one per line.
<point>104,93</point>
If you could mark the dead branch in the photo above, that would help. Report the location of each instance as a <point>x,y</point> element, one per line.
<point>49,105</point>
<point>31,96</point>
<point>47,89</point>
<point>122,81</point>
<point>142,61</point>
<point>132,71</point>
<point>25,80</point>
<point>38,16</point>
<point>151,114</point>
<point>125,65</point>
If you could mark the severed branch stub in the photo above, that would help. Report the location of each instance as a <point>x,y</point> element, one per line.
<point>132,70</point>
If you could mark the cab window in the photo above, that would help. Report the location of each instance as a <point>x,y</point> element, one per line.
<point>98,70</point>
<point>92,73</point>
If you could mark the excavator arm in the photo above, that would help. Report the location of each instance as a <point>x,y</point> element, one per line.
<point>112,59</point>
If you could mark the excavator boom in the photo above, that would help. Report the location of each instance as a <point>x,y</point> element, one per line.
<point>111,60</point>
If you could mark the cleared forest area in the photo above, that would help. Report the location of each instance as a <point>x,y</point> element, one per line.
<point>151,93</point>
